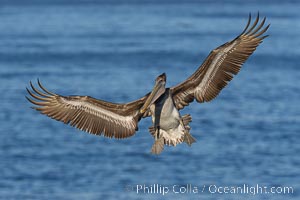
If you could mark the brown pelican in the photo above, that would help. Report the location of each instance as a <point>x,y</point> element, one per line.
<point>163,104</point>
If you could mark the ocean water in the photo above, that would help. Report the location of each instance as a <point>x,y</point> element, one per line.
<point>248,137</point>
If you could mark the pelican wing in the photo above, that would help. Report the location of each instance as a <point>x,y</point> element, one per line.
<point>89,114</point>
<point>220,66</point>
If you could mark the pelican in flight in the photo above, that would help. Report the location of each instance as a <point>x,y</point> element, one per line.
<point>116,120</point>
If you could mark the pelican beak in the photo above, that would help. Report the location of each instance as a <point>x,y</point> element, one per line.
<point>157,91</point>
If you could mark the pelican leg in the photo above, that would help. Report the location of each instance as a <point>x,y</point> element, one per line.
<point>188,138</point>
<point>158,145</point>
<point>156,135</point>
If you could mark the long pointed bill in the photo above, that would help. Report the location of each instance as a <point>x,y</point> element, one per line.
<point>157,91</point>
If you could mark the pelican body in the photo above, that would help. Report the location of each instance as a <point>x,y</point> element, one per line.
<point>119,121</point>
<point>168,126</point>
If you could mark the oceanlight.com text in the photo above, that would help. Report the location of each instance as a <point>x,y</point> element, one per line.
<point>243,189</point>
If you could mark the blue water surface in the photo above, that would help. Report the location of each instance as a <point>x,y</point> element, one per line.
<point>113,50</point>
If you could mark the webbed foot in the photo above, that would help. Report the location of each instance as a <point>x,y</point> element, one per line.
<point>158,146</point>
<point>188,138</point>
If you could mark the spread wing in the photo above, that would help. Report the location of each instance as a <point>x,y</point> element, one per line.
<point>220,66</point>
<point>89,114</point>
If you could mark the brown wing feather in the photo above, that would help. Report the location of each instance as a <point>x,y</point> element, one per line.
<point>220,66</point>
<point>89,114</point>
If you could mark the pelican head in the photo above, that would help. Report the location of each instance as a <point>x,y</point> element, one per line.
<point>158,89</point>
